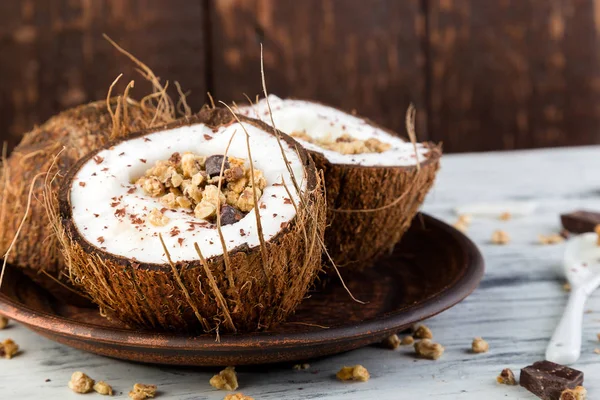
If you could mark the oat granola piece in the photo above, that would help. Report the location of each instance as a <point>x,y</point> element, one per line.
<point>408,340</point>
<point>505,216</point>
<point>152,186</point>
<point>480,346</point>
<point>423,332</point>
<point>246,200</point>
<point>237,396</point>
<point>8,349</point>
<point>507,377</point>
<point>579,393</point>
<point>103,388</point>
<point>598,336</point>
<point>460,226</point>
<point>157,218</point>
<point>597,351</point>
<point>142,391</point>
<point>298,367</point>
<point>355,373</point>
<point>597,230</point>
<point>225,380</point>
<point>567,287</point>
<point>81,383</point>
<point>428,349</point>
<point>465,219</point>
<point>391,342</point>
<point>3,322</point>
<point>500,237</point>
<point>205,210</point>
<point>551,239</point>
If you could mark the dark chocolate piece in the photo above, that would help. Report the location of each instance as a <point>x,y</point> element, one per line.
<point>580,221</point>
<point>213,165</point>
<point>230,215</point>
<point>547,380</point>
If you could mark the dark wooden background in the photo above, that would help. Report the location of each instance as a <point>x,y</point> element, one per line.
<point>484,74</point>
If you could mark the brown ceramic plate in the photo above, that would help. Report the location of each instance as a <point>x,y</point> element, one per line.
<point>431,270</point>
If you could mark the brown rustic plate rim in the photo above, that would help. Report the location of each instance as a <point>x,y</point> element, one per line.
<point>453,293</point>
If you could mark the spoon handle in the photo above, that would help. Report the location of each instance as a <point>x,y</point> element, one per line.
<point>565,345</point>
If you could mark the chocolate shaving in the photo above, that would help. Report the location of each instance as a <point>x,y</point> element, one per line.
<point>97,159</point>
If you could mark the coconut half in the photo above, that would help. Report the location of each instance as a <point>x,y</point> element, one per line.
<point>375,180</point>
<point>249,274</point>
<point>51,148</point>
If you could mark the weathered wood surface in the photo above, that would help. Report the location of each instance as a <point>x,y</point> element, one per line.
<point>516,307</point>
<point>53,55</point>
<point>366,56</point>
<point>511,74</point>
<point>498,74</point>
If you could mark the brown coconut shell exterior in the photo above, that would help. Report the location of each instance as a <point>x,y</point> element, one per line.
<point>151,296</point>
<point>375,205</point>
<point>78,130</point>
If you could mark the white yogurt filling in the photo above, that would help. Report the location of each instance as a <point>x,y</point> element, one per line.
<point>111,212</point>
<point>321,122</point>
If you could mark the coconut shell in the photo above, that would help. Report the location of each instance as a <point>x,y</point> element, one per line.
<point>370,207</point>
<point>78,130</point>
<point>193,295</point>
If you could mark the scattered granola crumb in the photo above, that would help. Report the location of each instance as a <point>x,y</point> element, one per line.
<point>567,287</point>
<point>81,383</point>
<point>141,391</point>
<point>225,380</point>
<point>463,222</point>
<point>391,342</point>
<point>597,230</point>
<point>408,340</point>
<point>428,349</point>
<point>500,237</point>
<point>298,367</point>
<point>157,218</point>
<point>238,396</point>
<point>8,349</point>
<point>480,346</point>
<point>103,388</point>
<point>598,335</point>
<point>505,216</point>
<point>355,373</point>
<point>506,377</point>
<point>597,351</point>
<point>3,322</point>
<point>579,393</point>
<point>423,332</point>
<point>551,239</point>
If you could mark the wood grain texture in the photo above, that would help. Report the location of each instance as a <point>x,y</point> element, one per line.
<point>53,56</point>
<point>516,308</point>
<point>351,54</point>
<point>513,73</point>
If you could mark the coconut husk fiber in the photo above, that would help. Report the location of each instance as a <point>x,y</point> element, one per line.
<point>249,289</point>
<point>51,149</point>
<point>370,208</point>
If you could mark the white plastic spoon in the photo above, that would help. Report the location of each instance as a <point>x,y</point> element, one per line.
<point>582,268</point>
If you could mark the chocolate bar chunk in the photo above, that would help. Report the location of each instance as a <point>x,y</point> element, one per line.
<point>547,380</point>
<point>581,221</point>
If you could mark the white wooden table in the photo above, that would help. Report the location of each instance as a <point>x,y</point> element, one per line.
<point>515,309</point>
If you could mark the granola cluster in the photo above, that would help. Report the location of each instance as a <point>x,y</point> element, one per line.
<point>345,144</point>
<point>191,182</point>
<point>225,380</point>
<point>355,373</point>
<point>8,348</point>
<point>142,391</point>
